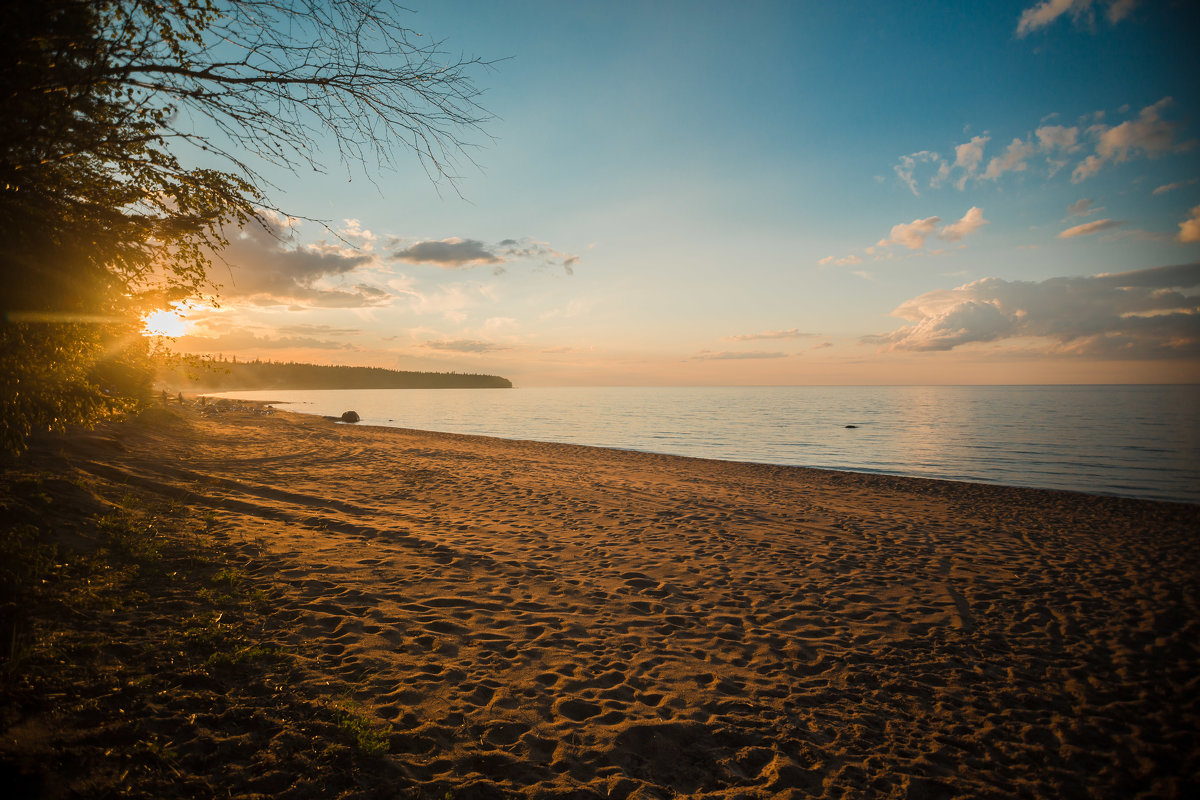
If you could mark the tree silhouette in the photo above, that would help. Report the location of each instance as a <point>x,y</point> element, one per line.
<point>105,103</point>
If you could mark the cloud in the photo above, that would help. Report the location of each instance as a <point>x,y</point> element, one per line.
<point>1149,135</point>
<point>452,302</point>
<point>1053,147</point>
<point>1089,227</point>
<point>840,262</point>
<point>456,253</point>
<point>465,346</point>
<point>1087,168</point>
<point>1015,159</point>
<point>967,158</point>
<point>1057,137</point>
<point>264,266</point>
<point>913,234</point>
<point>1170,187</point>
<point>1120,9</point>
<point>318,330</point>
<point>353,230</point>
<point>725,355</point>
<point>1139,314</point>
<point>1045,13</point>
<point>448,253</point>
<point>908,166</point>
<point>971,221</point>
<point>1189,229</point>
<point>242,341</point>
<point>1081,207</point>
<point>791,333</point>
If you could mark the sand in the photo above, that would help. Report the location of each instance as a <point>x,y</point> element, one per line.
<point>551,621</point>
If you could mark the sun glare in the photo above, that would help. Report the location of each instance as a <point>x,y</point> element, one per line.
<point>165,322</point>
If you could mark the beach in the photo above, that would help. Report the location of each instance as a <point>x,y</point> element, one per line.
<point>536,620</point>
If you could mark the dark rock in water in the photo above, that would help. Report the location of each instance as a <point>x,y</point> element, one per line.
<point>851,426</point>
<point>350,416</point>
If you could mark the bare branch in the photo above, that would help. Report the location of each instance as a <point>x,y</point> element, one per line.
<point>279,78</point>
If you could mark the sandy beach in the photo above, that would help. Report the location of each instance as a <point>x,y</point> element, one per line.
<point>551,621</point>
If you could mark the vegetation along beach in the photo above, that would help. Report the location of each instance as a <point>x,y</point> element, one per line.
<point>749,401</point>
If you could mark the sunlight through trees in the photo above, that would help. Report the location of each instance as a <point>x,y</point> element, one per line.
<point>107,107</point>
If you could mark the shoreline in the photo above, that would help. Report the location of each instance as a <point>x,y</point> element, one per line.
<point>532,619</point>
<point>1137,463</point>
<point>866,473</point>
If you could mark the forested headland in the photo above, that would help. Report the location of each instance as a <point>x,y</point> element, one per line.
<point>227,376</point>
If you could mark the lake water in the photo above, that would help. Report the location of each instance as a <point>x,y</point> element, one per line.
<point>1139,441</point>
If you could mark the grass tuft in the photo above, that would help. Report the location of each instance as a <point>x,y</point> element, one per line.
<point>366,736</point>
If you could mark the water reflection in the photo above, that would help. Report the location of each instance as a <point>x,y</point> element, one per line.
<point>1133,440</point>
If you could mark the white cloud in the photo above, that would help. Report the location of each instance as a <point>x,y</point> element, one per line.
<point>1189,229</point>
<point>353,230</point>
<point>1014,159</point>
<point>1089,227</point>
<point>1140,314</point>
<point>971,221</point>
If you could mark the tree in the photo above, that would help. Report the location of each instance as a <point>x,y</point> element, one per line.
<point>102,217</point>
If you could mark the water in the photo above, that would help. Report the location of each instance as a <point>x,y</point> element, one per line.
<point>1139,441</point>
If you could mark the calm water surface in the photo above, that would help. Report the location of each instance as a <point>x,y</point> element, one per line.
<point>1140,441</point>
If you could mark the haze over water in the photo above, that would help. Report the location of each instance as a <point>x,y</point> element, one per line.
<point>1137,441</point>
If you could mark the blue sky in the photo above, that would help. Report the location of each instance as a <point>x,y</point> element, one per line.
<point>766,193</point>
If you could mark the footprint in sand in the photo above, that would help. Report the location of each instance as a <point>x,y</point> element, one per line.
<point>576,709</point>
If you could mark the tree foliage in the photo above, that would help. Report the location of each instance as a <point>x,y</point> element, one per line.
<point>128,142</point>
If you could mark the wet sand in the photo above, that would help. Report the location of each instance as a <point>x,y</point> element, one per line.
<point>550,621</point>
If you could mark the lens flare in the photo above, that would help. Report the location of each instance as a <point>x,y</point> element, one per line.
<point>166,322</point>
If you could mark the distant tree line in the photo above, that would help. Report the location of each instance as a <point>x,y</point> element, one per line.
<point>105,105</point>
<point>220,375</point>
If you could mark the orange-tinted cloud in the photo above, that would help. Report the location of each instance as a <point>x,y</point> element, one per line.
<point>1089,227</point>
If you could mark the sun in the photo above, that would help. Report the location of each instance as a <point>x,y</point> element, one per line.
<point>165,322</point>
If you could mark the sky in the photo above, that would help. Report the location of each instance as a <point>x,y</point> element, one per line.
<point>790,193</point>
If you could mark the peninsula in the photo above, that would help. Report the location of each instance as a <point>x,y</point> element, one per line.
<point>227,376</point>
